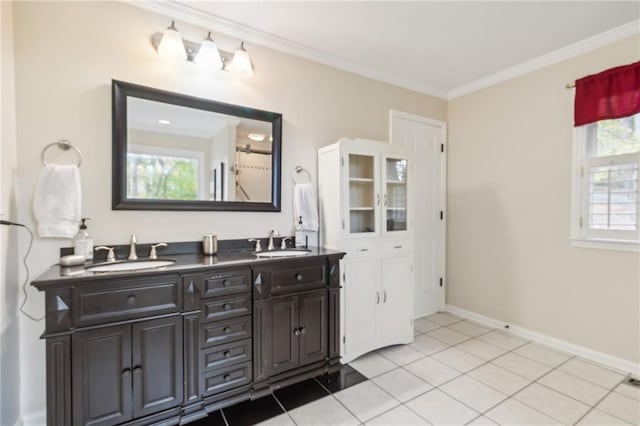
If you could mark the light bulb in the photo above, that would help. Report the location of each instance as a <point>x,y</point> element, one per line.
<point>241,63</point>
<point>208,55</point>
<point>171,47</point>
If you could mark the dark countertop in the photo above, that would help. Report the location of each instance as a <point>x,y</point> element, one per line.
<point>59,276</point>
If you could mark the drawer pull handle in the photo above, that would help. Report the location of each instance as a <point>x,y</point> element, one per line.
<point>226,354</point>
<point>126,372</point>
<point>296,332</point>
<point>384,300</point>
<point>226,283</point>
<point>226,377</point>
<point>299,277</point>
<point>364,249</point>
<point>131,300</point>
<point>137,370</point>
<point>226,330</point>
<point>226,306</point>
<point>397,246</point>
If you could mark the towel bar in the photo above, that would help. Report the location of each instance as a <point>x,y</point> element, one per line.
<point>63,144</point>
<point>297,171</point>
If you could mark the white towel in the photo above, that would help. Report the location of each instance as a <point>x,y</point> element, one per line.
<point>304,204</point>
<point>57,201</point>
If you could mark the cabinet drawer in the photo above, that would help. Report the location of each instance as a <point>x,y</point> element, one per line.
<point>219,332</point>
<point>226,307</point>
<point>223,355</point>
<point>298,276</point>
<point>125,299</point>
<point>391,248</point>
<point>362,248</point>
<point>221,283</point>
<point>224,379</point>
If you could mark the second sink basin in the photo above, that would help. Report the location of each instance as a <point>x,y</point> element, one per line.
<point>130,266</point>
<point>282,253</point>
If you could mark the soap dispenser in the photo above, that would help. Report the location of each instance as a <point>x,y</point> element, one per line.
<point>83,243</point>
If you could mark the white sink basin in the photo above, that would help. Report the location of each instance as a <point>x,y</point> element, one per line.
<point>130,266</point>
<point>282,253</point>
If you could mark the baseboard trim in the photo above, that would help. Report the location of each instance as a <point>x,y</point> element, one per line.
<point>38,418</point>
<point>603,358</point>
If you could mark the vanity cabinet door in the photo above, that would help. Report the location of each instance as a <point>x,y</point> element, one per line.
<point>313,327</point>
<point>101,375</point>
<point>157,365</point>
<point>285,349</point>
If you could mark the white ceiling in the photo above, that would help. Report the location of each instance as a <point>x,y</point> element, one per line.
<point>440,48</point>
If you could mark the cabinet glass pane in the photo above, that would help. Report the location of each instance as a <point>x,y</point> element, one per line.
<point>362,200</point>
<point>396,194</point>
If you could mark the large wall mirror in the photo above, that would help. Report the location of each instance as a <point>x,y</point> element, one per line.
<point>177,152</point>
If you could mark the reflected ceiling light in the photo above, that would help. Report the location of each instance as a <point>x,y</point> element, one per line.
<point>258,137</point>
<point>241,63</point>
<point>171,46</point>
<point>164,121</point>
<point>208,55</point>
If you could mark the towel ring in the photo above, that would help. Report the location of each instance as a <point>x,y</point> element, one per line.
<point>64,145</point>
<point>297,171</point>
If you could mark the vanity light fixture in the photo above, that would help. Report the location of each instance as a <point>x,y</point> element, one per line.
<point>241,63</point>
<point>170,45</point>
<point>208,55</point>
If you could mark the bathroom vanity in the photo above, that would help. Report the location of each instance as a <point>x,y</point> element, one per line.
<point>166,346</point>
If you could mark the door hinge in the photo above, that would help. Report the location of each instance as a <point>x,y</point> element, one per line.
<point>440,281</point>
<point>343,224</point>
<point>344,277</point>
<point>580,221</point>
<point>441,215</point>
<point>342,161</point>
<point>344,339</point>
<point>441,147</point>
<point>581,171</point>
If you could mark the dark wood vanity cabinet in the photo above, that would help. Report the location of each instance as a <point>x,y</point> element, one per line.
<point>166,348</point>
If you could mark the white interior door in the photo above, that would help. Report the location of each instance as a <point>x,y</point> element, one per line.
<point>425,140</point>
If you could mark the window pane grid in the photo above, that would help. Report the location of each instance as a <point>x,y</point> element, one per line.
<point>613,197</point>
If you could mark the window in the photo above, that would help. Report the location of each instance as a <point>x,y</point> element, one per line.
<point>606,209</point>
<point>165,173</point>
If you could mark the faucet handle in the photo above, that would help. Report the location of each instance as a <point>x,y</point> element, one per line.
<point>283,243</point>
<point>152,253</point>
<point>258,245</point>
<point>110,256</point>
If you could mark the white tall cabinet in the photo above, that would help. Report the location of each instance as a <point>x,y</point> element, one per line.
<point>365,211</point>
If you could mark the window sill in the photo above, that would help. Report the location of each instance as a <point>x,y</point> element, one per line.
<point>605,244</point>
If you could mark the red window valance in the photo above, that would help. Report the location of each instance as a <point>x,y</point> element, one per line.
<point>614,93</point>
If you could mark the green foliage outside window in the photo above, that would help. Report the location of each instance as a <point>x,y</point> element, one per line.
<point>620,136</point>
<point>159,177</point>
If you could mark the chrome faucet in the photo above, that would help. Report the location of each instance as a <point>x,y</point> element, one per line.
<point>272,233</point>
<point>132,248</point>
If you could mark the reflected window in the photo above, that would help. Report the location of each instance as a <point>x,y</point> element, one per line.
<point>164,173</point>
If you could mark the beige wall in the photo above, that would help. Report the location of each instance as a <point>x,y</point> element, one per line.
<point>509,177</point>
<point>9,262</point>
<point>66,56</point>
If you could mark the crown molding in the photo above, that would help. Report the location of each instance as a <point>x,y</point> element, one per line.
<point>575,49</point>
<point>193,16</point>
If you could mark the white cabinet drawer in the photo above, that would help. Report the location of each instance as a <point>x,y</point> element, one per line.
<point>396,247</point>
<point>362,248</point>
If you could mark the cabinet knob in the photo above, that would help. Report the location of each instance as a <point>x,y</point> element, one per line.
<point>226,283</point>
<point>303,330</point>
<point>137,370</point>
<point>226,330</point>
<point>226,306</point>
<point>296,331</point>
<point>299,277</point>
<point>131,300</point>
<point>226,354</point>
<point>126,372</point>
<point>226,377</point>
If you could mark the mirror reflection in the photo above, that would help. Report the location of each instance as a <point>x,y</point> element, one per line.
<point>176,152</point>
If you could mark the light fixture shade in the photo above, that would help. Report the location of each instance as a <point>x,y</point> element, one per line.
<point>241,63</point>
<point>171,47</point>
<point>208,55</point>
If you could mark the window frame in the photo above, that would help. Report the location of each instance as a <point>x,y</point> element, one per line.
<point>581,235</point>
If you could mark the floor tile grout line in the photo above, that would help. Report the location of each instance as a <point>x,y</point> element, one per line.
<point>594,406</point>
<point>284,409</point>
<point>224,418</point>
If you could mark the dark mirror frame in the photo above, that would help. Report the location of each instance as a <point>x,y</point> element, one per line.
<point>121,90</point>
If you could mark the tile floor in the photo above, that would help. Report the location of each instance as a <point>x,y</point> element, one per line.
<point>456,372</point>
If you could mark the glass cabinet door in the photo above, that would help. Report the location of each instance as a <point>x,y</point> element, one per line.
<point>395,194</point>
<point>363,199</point>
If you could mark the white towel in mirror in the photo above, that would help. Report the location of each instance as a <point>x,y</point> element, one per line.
<point>57,201</point>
